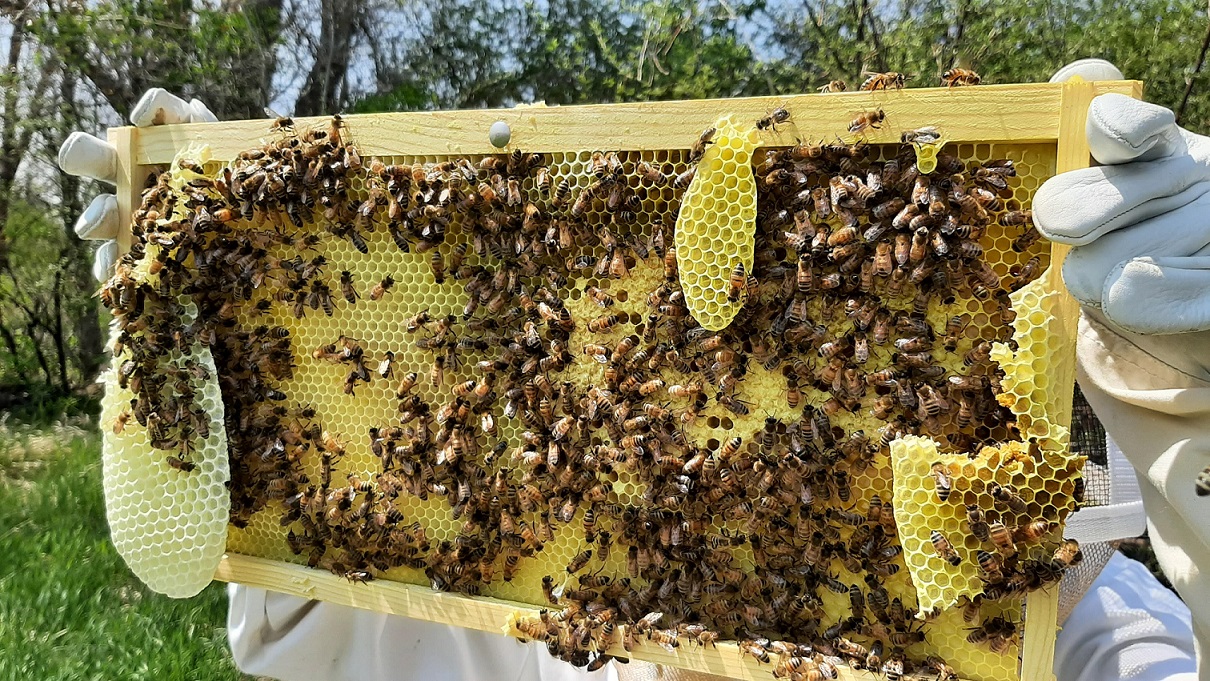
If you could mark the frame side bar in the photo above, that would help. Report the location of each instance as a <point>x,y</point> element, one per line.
<point>1042,607</point>
<point>129,189</point>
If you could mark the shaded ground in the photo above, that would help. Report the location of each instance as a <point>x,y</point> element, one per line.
<point>69,607</point>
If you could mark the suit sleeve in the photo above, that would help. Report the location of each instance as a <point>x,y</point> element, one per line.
<point>291,638</point>
<point>1160,417</point>
<point>1128,626</point>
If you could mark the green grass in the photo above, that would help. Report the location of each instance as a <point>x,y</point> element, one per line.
<point>69,606</point>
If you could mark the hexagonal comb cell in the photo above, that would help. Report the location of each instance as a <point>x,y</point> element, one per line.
<point>715,227</point>
<point>1044,317</point>
<point>482,374</point>
<point>168,522</point>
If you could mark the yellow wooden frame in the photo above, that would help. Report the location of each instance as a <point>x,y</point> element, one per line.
<point>1045,113</point>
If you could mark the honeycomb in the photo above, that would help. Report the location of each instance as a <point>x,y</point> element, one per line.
<point>618,285</point>
<point>170,527</point>
<point>1044,479</point>
<point>1044,315</point>
<point>715,226</point>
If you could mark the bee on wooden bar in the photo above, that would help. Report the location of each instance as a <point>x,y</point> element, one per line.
<point>956,77</point>
<point>699,146</point>
<point>884,81</point>
<point>869,120</point>
<point>771,121</point>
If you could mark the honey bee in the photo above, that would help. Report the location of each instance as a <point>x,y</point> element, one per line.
<point>1023,274</point>
<point>920,136</point>
<point>1032,532</point>
<point>942,480</point>
<point>346,287</point>
<point>944,671</point>
<point>1068,554</point>
<point>954,328</point>
<point>437,372</point>
<point>385,366</point>
<point>980,354</point>
<point>1002,538</point>
<point>181,464</point>
<point>778,115</point>
<point>738,283</point>
<point>979,527</point>
<point>834,86</point>
<point>604,323</point>
<point>280,122</point>
<point>991,565</point>
<point>756,650</point>
<point>1005,495</point>
<point>699,146</point>
<point>381,288</point>
<point>884,81</point>
<point>734,405</point>
<point>579,561</point>
<point>120,422</point>
<point>437,265</point>
<point>687,390</point>
<point>1017,218</point>
<point>406,384</point>
<point>943,548</point>
<point>684,179</point>
<point>956,76</point>
<point>600,297</point>
<point>868,120</point>
<point>1027,239</point>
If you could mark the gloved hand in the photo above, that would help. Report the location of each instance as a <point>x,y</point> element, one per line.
<point>1140,267</point>
<point>85,155</point>
<point>1140,225</point>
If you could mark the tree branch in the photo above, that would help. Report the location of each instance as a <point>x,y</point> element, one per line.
<point>879,52</point>
<point>824,38</point>
<point>1201,60</point>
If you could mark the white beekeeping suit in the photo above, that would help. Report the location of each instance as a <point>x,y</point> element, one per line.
<point>1141,225</point>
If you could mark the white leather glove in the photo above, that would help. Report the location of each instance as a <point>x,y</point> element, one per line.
<point>1140,266</point>
<point>85,155</point>
<point>1140,225</point>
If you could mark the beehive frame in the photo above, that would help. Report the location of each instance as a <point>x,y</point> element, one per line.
<point>1052,114</point>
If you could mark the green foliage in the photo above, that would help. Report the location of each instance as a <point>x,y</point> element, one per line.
<point>37,241</point>
<point>491,53</point>
<point>69,607</point>
<point>474,53</point>
<point>125,47</point>
<point>1156,41</point>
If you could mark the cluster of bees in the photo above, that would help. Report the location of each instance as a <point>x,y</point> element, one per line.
<point>893,80</point>
<point>738,539</point>
<point>209,241</point>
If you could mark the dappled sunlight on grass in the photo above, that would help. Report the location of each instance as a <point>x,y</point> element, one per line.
<point>69,607</point>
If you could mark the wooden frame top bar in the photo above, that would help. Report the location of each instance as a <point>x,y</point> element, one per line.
<point>987,113</point>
